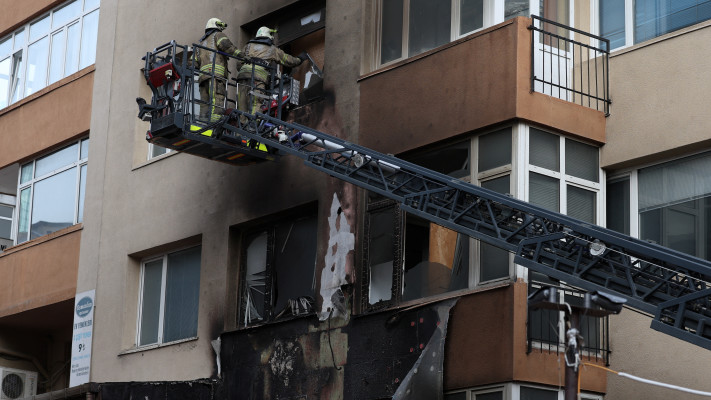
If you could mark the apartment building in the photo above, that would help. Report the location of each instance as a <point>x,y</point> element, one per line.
<point>275,281</point>
<point>47,54</point>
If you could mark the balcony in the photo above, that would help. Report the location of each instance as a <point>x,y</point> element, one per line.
<point>479,81</point>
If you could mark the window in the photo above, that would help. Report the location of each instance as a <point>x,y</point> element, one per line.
<point>407,257</point>
<point>515,391</point>
<point>51,192</point>
<point>629,22</point>
<point>169,294</point>
<point>155,150</point>
<point>278,269</point>
<point>42,52</point>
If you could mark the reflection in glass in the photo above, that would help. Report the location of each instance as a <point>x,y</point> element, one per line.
<point>65,14</point>
<point>53,203</point>
<point>380,254</point>
<point>88,39</point>
<point>391,27</point>
<point>23,220</point>
<point>37,66</point>
<point>56,62</point>
<point>471,16</point>
<point>430,26</point>
<point>82,191</point>
<point>39,28</point>
<point>182,292</point>
<point>90,4</point>
<point>515,8</point>
<point>71,59</point>
<point>16,77</point>
<point>20,39</point>
<point>84,149</point>
<point>4,81</point>
<point>150,302</point>
<point>56,160</point>
<point>6,47</point>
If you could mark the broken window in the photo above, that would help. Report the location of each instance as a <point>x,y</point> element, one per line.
<point>278,264</point>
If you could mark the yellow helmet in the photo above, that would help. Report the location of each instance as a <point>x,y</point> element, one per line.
<point>215,23</point>
<point>265,32</point>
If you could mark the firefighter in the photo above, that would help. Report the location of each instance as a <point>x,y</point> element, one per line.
<point>213,91</point>
<point>262,47</point>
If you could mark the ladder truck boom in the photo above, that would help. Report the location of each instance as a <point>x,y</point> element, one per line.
<point>672,286</point>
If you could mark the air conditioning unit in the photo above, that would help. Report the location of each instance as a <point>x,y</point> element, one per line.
<point>16,384</point>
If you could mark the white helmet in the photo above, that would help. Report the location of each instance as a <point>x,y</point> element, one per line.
<point>265,32</point>
<point>215,23</point>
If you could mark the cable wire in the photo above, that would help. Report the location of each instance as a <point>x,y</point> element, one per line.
<point>651,382</point>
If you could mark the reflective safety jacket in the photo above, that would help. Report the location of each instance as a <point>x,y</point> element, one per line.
<point>264,49</point>
<point>221,45</point>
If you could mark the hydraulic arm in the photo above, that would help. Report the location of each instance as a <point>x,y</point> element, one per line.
<point>674,287</point>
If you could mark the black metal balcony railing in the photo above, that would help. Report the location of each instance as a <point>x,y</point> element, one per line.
<point>546,328</point>
<point>570,64</point>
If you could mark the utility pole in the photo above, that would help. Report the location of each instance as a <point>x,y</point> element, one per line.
<point>596,304</point>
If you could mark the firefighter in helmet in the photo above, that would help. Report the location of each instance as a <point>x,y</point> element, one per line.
<point>262,47</point>
<point>213,82</point>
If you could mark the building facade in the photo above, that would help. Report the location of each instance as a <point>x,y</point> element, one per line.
<point>276,281</point>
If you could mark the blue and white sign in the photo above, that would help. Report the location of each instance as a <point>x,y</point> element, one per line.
<point>81,338</point>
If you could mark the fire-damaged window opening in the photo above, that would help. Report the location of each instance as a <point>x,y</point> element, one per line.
<point>300,27</point>
<point>407,258</point>
<point>278,263</point>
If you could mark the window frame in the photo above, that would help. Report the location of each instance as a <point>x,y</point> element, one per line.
<point>78,163</point>
<point>161,312</point>
<point>18,77</point>
<point>512,391</point>
<point>269,227</point>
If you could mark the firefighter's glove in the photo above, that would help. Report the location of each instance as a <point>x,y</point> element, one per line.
<point>303,56</point>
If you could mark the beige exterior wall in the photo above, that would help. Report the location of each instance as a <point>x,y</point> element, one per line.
<point>659,96</point>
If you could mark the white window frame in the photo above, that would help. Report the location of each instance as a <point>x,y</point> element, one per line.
<point>78,163</point>
<point>512,391</point>
<point>493,14</point>
<point>161,311</point>
<point>18,78</point>
<point>152,147</point>
<point>9,201</point>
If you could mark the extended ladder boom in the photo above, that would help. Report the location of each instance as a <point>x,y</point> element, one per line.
<point>673,286</point>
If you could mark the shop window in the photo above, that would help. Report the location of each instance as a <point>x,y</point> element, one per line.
<point>278,270</point>
<point>51,192</point>
<point>47,49</point>
<point>169,297</point>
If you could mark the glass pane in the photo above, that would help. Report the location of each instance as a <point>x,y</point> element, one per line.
<point>581,204</point>
<point>182,292</point>
<point>500,185</point>
<point>56,62</point>
<point>6,46</point>
<point>612,22</point>
<point>489,396</point>
<point>26,173</point>
<point>529,393</point>
<point>54,203</point>
<point>675,182</point>
<point>650,225</point>
<point>90,4</point>
<point>150,302</point>
<point>88,39</point>
<point>71,59</point>
<point>66,14</point>
<point>451,160</point>
<point>515,8</point>
<point>20,39</point>
<point>6,211</point>
<point>56,160</point>
<point>680,229</point>
<point>494,262</point>
<point>84,149</point>
<point>471,15</point>
<point>543,149</point>
<point>654,18</point>
<point>582,160</point>
<point>157,150</point>
<point>391,28</point>
<point>618,206</point>
<point>39,28</point>
<point>82,191</point>
<point>430,25</point>
<point>255,278</point>
<point>37,66</point>
<point>5,228</point>
<point>24,218</point>
<point>543,326</point>
<point>495,149</point>
<point>381,248</point>
<point>544,191</point>
<point>5,81</point>
<point>16,75</point>
<point>294,261</point>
